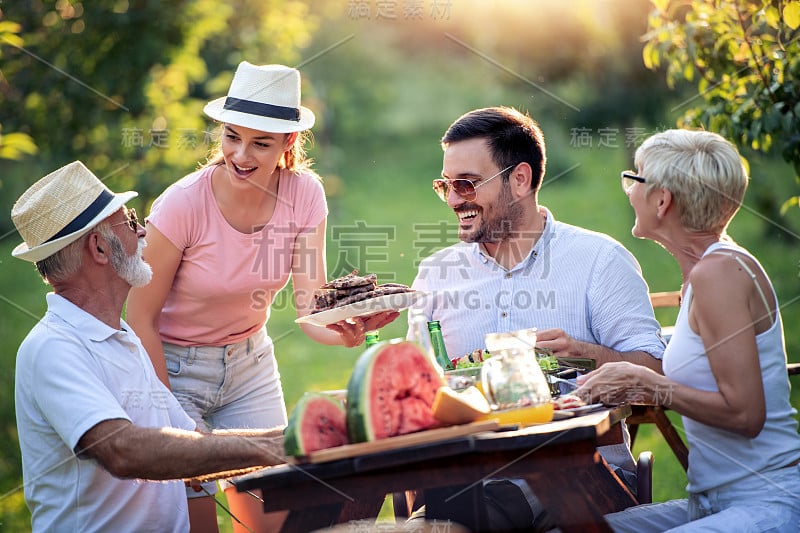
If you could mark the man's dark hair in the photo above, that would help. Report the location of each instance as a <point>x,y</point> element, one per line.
<point>513,138</point>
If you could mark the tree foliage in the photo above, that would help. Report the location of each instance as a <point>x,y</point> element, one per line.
<point>122,83</point>
<point>744,57</point>
<point>12,145</point>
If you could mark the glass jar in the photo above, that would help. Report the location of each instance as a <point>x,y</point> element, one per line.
<point>513,381</point>
<point>522,339</point>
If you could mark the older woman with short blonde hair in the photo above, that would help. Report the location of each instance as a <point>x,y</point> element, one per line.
<point>725,365</point>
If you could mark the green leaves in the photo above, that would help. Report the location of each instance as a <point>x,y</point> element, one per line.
<point>791,14</point>
<point>8,33</point>
<point>15,145</point>
<point>744,56</point>
<point>118,83</point>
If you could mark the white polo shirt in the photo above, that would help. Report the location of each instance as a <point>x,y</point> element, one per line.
<point>73,372</point>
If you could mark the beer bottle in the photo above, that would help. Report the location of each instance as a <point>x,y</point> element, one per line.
<point>419,334</point>
<point>439,350</point>
<point>371,338</point>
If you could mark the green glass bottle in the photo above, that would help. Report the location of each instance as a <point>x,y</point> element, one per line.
<point>418,325</point>
<point>371,338</point>
<point>439,350</point>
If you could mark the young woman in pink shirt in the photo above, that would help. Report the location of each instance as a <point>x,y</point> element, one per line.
<point>222,242</point>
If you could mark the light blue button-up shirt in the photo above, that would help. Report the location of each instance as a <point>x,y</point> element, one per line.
<point>583,282</point>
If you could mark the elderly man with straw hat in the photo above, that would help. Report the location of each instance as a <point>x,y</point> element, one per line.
<point>94,420</point>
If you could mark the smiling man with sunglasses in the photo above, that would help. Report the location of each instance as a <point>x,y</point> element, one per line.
<point>518,267</point>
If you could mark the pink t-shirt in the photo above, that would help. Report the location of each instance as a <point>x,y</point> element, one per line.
<point>227,280</point>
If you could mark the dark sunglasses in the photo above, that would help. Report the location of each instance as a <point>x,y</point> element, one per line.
<point>463,187</point>
<point>132,221</point>
<point>629,179</point>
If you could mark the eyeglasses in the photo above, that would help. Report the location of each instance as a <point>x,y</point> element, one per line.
<point>465,188</point>
<point>132,221</point>
<point>629,179</point>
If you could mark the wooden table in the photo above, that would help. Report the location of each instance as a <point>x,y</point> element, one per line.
<point>559,460</point>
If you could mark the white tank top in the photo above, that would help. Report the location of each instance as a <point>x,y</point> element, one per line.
<point>718,456</point>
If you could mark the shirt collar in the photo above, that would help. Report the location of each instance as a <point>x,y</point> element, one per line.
<point>80,320</point>
<point>547,234</point>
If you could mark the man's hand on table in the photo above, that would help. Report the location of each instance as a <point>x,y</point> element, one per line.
<point>561,344</point>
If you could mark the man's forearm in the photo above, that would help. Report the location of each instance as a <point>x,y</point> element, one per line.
<point>128,451</point>
<point>183,456</point>
<point>603,355</point>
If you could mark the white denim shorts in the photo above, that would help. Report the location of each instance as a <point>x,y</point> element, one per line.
<point>227,387</point>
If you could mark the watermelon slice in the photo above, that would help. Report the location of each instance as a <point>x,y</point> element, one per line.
<point>316,423</point>
<point>391,392</point>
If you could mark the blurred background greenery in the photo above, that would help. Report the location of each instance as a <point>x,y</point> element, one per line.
<point>120,85</point>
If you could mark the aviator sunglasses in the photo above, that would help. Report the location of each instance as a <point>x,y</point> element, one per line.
<point>463,187</point>
<point>131,220</point>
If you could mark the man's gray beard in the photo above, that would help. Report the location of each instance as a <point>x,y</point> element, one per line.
<point>131,268</point>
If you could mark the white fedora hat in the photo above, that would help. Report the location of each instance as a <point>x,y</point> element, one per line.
<point>264,98</point>
<point>61,207</point>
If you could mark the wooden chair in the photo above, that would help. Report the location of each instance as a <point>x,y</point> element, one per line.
<point>652,414</point>
<point>405,503</point>
<point>644,477</point>
<point>665,299</point>
<point>661,300</point>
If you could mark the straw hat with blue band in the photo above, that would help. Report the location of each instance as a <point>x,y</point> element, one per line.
<point>60,208</point>
<point>264,98</point>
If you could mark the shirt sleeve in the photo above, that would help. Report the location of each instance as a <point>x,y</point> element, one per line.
<point>311,205</point>
<point>71,393</point>
<point>621,314</point>
<point>175,212</point>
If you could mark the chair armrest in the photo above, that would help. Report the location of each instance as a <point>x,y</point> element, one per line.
<point>644,477</point>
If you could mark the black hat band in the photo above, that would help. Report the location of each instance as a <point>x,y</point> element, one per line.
<point>261,109</point>
<point>86,216</point>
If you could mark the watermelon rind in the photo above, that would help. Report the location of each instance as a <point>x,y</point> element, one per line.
<point>359,428</point>
<point>292,434</point>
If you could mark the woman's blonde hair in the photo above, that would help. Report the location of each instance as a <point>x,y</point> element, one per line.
<point>703,171</point>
